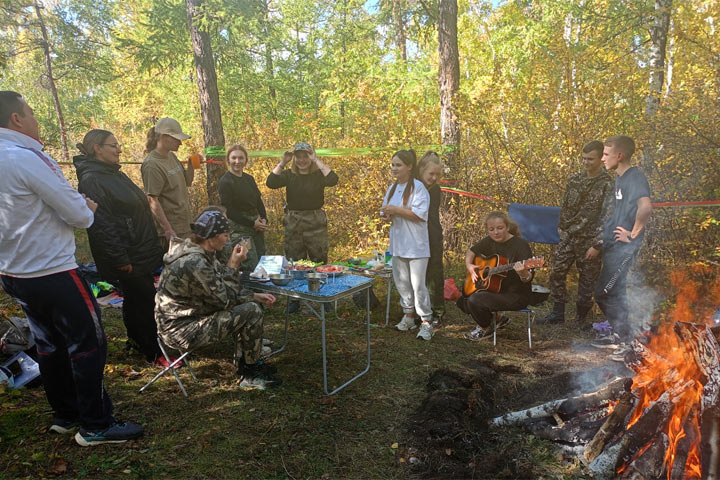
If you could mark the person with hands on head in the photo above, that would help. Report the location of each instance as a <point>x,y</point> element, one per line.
<point>166,181</point>
<point>240,196</point>
<point>406,205</point>
<point>503,239</point>
<point>123,238</point>
<point>622,238</point>
<point>200,301</point>
<point>305,221</point>
<point>40,211</point>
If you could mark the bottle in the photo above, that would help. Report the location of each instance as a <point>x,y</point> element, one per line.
<point>716,317</point>
<point>387,256</point>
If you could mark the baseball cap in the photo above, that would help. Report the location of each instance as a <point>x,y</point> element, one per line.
<point>302,147</point>
<point>170,126</point>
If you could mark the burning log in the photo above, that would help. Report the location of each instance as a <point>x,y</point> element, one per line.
<point>610,428</point>
<point>642,358</point>
<point>576,430</point>
<point>516,418</point>
<point>710,442</point>
<point>682,449</point>
<point>654,420</point>
<point>610,392</point>
<point>704,348</point>
<point>651,463</point>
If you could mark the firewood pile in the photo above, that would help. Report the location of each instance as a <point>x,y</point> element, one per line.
<point>664,422</point>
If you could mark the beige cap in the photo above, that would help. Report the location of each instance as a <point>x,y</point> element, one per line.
<point>170,126</point>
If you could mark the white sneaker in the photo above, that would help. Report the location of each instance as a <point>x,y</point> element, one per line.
<point>407,323</point>
<point>266,342</point>
<point>426,331</point>
<point>265,351</point>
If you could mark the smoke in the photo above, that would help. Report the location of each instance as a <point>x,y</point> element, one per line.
<point>643,302</point>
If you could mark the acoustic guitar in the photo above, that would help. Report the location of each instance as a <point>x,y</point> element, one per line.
<point>492,271</point>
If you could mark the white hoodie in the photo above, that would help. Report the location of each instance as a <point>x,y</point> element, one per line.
<point>38,210</point>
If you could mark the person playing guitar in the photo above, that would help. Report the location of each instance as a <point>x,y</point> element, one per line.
<point>513,291</point>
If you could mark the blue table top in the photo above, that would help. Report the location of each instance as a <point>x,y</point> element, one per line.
<point>333,287</point>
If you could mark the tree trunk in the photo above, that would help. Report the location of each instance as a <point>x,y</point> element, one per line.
<point>449,81</point>
<point>209,96</point>
<point>398,21</point>
<point>269,65</point>
<point>51,83</point>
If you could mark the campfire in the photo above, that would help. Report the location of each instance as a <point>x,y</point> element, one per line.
<point>664,422</point>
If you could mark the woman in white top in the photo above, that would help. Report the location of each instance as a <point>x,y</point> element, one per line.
<point>406,204</point>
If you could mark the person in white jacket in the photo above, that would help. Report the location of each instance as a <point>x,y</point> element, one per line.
<point>39,210</point>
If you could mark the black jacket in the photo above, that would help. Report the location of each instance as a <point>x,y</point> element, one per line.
<point>123,231</point>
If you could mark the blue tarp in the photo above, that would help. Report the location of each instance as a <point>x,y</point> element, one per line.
<point>537,223</point>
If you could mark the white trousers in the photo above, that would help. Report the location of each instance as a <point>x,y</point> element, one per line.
<point>409,277</point>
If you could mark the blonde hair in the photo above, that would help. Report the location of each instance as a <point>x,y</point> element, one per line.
<point>513,227</point>
<point>429,158</point>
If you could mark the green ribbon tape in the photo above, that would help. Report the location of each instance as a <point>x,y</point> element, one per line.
<point>215,151</point>
<point>346,152</point>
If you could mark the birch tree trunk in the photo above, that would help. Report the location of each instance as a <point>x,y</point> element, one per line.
<point>449,80</point>
<point>51,82</point>
<point>209,97</point>
<point>400,37</point>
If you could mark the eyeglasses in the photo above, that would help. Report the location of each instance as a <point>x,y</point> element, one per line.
<point>116,146</point>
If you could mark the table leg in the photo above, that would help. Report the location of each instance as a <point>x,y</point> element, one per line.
<point>285,335</point>
<point>324,347</point>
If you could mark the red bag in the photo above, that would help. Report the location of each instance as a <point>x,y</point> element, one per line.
<point>451,291</point>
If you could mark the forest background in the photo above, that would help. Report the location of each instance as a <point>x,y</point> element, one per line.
<point>535,80</point>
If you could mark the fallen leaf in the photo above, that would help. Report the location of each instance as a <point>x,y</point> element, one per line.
<point>394,445</point>
<point>401,460</point>
<point>59,467</point>
<point>448,451</point>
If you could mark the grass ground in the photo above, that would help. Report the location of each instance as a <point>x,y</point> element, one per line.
<point>294,431</point>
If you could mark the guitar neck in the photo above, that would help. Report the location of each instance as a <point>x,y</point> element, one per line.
<point>501,268</point>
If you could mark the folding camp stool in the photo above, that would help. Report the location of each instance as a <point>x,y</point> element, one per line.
<point>530,319</point>
<point>182,358</point>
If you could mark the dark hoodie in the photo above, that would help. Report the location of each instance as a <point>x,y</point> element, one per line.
<point>123,231</point>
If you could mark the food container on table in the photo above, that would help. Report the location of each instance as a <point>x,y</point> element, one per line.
<point>316,281</point>
<point>281,279</point>
<point>298,271</point>
<point>332,271</point>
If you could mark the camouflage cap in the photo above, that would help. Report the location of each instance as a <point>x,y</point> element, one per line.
<point>302,147</point>
<point>210,224</point>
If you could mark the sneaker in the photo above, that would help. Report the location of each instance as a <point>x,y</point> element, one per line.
<point>426,331</point>
<point>118,432</point>
<point>267,342</point>
<point>436,320</point>
<point>267,368</point>
<point>265,351</point>
<point>163,363</point>
<point>501,322</point>
<point>63,426</point>
<point>253,377</point>
<point>609,341</point>
<point>620,352</point>
<point>479,334</point>
<point>407,323</point>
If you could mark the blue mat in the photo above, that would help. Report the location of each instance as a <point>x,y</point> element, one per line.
<point>332,287</point>
<point>537,223</point>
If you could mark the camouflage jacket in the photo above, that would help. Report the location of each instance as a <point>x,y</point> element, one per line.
<point>587,204</point>
<point>194,284</point>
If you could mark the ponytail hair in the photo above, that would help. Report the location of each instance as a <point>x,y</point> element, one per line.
<point>513,227</point>
<point>429,158</point>
<point>152,139</point>
<point>409,158</point>
<point>92,138</point>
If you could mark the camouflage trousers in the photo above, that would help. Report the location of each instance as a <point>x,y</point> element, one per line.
<point>245,322</point>
<point>257,244</point>
<point>306,235</point>
<point>567,253</point>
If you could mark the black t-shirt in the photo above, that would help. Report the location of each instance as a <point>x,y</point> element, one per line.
<point>304,192</point>
<point>629,187</point>
<point>515,249</point>
<point>435,232</point>
<point>240,196</point>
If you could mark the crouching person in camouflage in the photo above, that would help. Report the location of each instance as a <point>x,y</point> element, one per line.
<point>199,301</point>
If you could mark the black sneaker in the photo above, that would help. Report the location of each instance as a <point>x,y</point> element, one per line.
<point>63,426</point>
<point>118,432</point>
<point>436,320</point>
<point>266,368</point>
<point>501,322</point>
<point>253,377</point>
<point>479,333</point>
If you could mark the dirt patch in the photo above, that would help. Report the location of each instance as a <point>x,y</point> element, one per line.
<point>450,434</point>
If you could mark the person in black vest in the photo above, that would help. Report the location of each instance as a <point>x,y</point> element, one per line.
<point>123,238</point>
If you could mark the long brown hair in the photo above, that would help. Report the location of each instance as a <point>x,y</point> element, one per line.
<point>408,157</point>
<point>92,138</point>
<point>152,139</point>
<point>513,227</point>
<point>232,148</point>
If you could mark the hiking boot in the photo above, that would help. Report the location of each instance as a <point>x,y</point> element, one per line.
<point>479,334</point>
<point>582,312</point>
<point>609,341</point>
<point>407,323</point>
<point>556,316</point>
<point>62,426</point>
<point>118,432</point>
<point>252,377</point>
<point>293,306</point>
<point>426,331</point>
<point>620,352</point>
